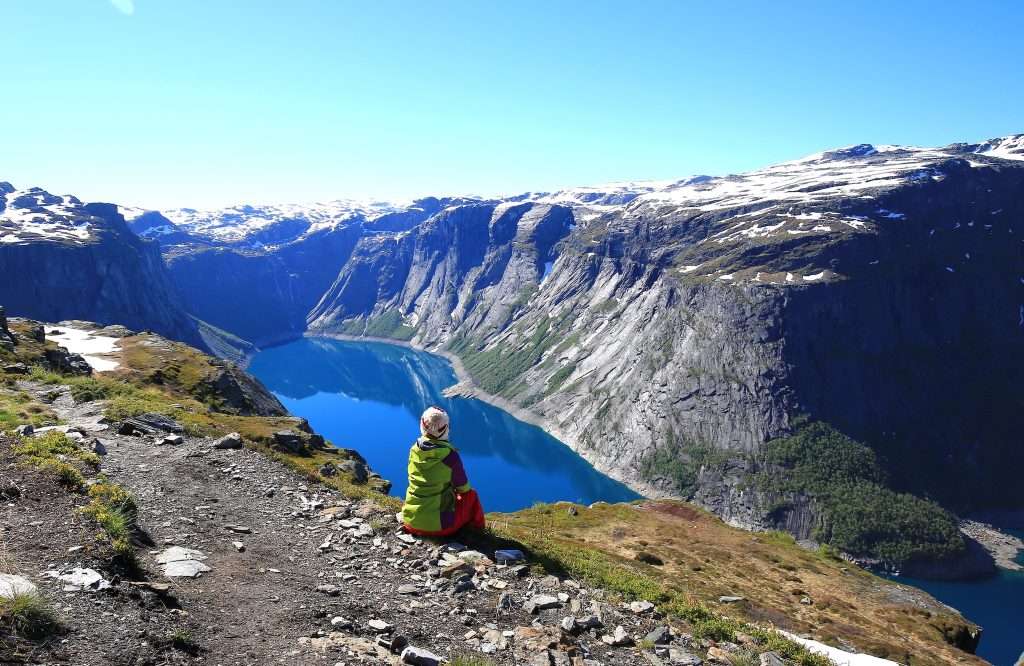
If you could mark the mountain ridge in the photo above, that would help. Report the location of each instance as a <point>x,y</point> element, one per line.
<point>690,323</point>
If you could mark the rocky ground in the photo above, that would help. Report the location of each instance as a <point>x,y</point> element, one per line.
<point>277,571</point>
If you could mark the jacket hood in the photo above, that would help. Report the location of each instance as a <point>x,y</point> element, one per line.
<point>427,449</point>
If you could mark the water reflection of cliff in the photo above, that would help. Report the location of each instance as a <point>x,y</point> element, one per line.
<point>412,380</point>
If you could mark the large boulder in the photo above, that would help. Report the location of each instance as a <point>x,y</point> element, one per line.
<point>149,424</point>
<point>243,394</point>
<point>6,338</point>
<point>62,360</point>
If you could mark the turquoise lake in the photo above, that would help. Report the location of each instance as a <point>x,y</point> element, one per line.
<point>368,396</point>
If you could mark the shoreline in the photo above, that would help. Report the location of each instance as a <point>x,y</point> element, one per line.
<point>993,540</point>
<point>465,387</point>
<point>1004,548</point>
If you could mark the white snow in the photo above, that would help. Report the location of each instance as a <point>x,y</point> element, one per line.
<point>235,223</point>
<point>1007,147</point>
<point>837,656</point>
<point>40,216</point>
<point>692,267</point>
<point>815,277</point>
<point>95,349</point>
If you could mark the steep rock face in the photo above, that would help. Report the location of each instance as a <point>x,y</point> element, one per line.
<point>260,296</point>
<point>437,275</point>
<point>876,289</point>
<point>257,272</point>
<point>61,259</point>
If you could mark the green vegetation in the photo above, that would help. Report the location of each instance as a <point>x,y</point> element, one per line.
<point>681,461</point>
<point>389,324</point>
<point>115,510</point>
<point>27,615</point>
<point>17,407</point>
<point>497,369</point>
<point>55,454</point>
<point>861,515</point>
<point>182,640</point>
<point>558,378</point>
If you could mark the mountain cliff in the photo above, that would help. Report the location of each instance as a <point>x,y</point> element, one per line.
<point>62,259</point>
<point>693,337</point>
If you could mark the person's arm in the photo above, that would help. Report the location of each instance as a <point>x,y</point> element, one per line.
<point>459,479</point>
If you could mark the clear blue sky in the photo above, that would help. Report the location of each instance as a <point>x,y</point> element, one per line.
<point>210,102</point>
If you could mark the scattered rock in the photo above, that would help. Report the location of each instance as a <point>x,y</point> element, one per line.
<point>659,635</point>
<point>415,656</point>
<point>179,562</point>
<point>356,469</point>
<point>12,585</point>
<point>380,626</point>
<point>718,655</point>
<point>618,638</point>
<point>541,602</point>
<point>172,440</point>
<point>24,430</point>
<point>79,579</point>
<point>16,369</point>
<point>239,546</point>
<point>681,657</point>
<point>149,424</point>
<point>232,440</point>
<point>238,529</point>
<point>771,659</point>
<point>408,589</point>
<point>394,644</point>
<point>328,470</point>
<point>729,600</point>
<point>329,590</point>
<point>640,607</point>
<point>289,441</point>
<point>508,556</point>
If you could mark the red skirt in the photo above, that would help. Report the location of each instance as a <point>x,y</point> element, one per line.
<point>468,513</point>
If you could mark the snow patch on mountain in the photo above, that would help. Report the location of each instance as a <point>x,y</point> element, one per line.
<point>34,215</point>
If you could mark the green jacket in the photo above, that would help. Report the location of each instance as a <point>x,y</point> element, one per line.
<point>436,474</point>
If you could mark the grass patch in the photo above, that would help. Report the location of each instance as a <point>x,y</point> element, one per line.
<point>183,641</point>
<point>114,509</point>
<point>27,615</point>
<point>542,528</point>
<point>54,453</point>
<point>18,407</point>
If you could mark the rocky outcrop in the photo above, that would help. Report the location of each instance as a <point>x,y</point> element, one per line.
<point>6,337</point>
<point>240,393</point>
<point>71,260</point>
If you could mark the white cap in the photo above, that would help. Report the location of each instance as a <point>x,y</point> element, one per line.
<point>434,423</point>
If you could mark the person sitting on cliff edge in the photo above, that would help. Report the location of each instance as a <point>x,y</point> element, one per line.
<point>439,501</point>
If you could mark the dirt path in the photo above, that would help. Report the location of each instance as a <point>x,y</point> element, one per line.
<point>296,573</point>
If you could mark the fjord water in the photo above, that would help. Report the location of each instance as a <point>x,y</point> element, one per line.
<point>996,604</point>
<point>368,396</point>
